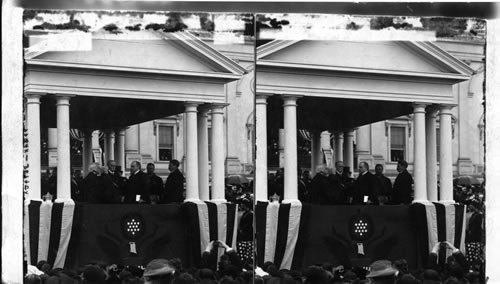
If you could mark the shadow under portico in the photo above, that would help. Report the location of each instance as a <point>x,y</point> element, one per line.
<point>316,113</point>
<point>105,113</point>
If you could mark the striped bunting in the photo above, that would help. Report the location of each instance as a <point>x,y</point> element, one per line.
<point>280,233</point>
<point>47,230</point>
<point>437,222</point>
<point>209,221</point>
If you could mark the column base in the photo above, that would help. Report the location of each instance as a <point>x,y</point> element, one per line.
<point>193,200</point>
<point>28,201</point>
<point>421,201</point>
<point>64,200</point>
<point>447,201</point>
<point>465,166</point>
<point>219,201</point>
<point>290,201</point>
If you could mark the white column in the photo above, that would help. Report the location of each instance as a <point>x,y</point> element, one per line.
<point>339,147</point>
<point>203,172</point>
<point>34,155</point>
<point>87,152</point>
<point>316,151</point>
<point>431,153</point>
<point>218,157</point>
<point>445,155</point>
<point>63,149</point>
<point>109,152</point>
<point>120,148</point>
<point>52,147</point>
<point>349,149</point>
<point>290,123</point>
<point>419,164</point>
<point>132,139</point>
<point>261,174</point>
<point>192,193</point>
<point>96,148</point>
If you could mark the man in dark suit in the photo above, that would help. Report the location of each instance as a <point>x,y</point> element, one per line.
<point>365,187</point>
<point>156,183</point>
<point>137,186</point>
<point>90,184</point>
<point>320,187</point>
<point>338,191</point>
<point>174,185</point>
<point>402,191</point>
<point>114,177</point>
<point>385,184</point>
<point>106,191</point>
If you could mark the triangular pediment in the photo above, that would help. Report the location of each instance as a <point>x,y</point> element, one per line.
<point>397,57</point>
<point>176,52</point>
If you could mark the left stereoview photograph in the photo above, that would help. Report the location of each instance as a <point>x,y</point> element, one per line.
<point>139,134</point>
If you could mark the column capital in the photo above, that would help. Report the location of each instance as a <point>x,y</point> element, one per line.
<point>191,106</point>
<point>218,108</point>
<point>432,110</point>
<point>338,133</point>
<point>109,132</point>
<point>33,98</point>
<point>446,108</point>
<point>291,97</point>
<point>120,131</point>
<point>63,99</point>
<point>261,99</point>
<point>203,110</point>
<point>419,107</point>
<point>290,100</point>
<point>349,132</point>
<point>263,95</point>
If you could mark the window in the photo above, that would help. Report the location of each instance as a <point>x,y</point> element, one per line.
<point>165,142</point>
<point>398,143</point>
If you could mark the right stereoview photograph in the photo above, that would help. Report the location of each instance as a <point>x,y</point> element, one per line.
<point>370,147</point>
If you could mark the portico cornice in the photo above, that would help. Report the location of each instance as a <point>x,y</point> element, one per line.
<point>51,63</point>
<point>281,64</point>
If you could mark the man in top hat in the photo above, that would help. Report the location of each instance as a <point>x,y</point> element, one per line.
<point>382,272</point>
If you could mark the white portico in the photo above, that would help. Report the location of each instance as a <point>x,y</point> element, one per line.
<point>124,80</point>
<point>340,86</point>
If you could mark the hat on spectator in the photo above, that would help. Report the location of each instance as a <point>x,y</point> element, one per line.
<point>431,274</point>
<point>381,268</point>
<point>93,274</point>
<point>157,267</point>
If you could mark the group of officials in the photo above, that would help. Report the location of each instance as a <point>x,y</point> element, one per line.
<point>368,188</point>
<point>105,185</point>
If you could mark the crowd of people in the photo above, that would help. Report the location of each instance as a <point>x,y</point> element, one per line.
<point>106,184</point>
<point>336,186</point>
<point>230,269</point>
